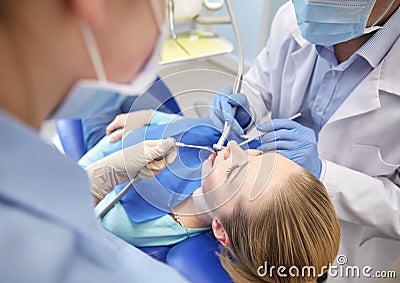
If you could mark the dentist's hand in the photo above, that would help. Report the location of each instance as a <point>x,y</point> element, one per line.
<point>128,122</point>
<point>292,140</point>
<point>137,161</point>
<point>221,110</point>
<point>149,158</point>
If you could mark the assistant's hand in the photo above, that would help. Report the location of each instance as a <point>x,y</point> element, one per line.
<point>220,110</point>
<point>147,159</point>
<point>128,122</point>
<point>292,140</point>
<point>137,161</point>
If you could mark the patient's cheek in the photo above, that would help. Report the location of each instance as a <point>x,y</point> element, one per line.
<point>206,176</point>
<point>213,181</point>
<point>205,186</point>
<point>213,177</point>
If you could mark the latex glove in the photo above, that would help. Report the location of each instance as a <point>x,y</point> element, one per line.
<point>137,161</point>
<point>292,140</point>
<point>220,110</point>
<point>128,122</point>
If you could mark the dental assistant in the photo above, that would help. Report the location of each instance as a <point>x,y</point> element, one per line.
<point>336,62</point>
<point>49,232</point>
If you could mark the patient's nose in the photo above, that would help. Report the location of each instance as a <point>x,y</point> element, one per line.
<point>227,152</point>
<point>239,156</point>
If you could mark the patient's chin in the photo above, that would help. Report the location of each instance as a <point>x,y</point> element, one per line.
<point>206,169</point>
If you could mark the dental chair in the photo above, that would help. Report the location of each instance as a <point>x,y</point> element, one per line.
<point>195,258</point>
<point>71,132</point>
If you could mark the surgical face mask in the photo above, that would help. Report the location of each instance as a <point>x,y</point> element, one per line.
<point>85,93</point>
<point>329,22</point>
<point>145,77</point>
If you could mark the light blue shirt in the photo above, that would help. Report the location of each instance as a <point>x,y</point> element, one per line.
<point>161,231</point>
<point>49,232</point>
<point>332,83</point>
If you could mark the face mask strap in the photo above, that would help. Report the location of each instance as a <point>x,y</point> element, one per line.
<point>383,15</point>
<point>92,46</point>
<point>93,51</point>
<point>158,13</point>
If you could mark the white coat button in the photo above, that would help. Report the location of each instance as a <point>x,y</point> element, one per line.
<point>333,73</point>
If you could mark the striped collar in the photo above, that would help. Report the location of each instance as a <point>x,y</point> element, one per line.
<point>376,48</point>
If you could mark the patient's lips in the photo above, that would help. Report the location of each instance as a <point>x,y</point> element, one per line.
<point>211,158</point>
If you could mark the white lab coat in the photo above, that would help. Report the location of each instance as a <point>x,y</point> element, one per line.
<point>359,145</point>
<point>49,232</point>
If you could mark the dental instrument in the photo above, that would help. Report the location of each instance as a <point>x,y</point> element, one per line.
<point>298,115</point>
<point>117,198</point>
<point>127,188</point>
<point>123,192</point>
<point>238,83</point>
<point>183,145</point>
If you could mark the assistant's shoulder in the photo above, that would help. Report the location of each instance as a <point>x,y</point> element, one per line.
<point>284,26</point>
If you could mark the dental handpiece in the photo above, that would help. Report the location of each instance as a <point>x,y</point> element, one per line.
<point>123,192</point>
<point>239,78</point>
<point>228,127</point>
<point>117,198</point>
<point>183,145</point>
<point>128,187</point>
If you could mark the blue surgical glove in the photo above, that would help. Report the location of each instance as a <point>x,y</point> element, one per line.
<point>220,110</point>
<point>292,140</point>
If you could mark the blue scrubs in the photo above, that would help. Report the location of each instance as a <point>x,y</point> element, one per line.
<point>49,232</point>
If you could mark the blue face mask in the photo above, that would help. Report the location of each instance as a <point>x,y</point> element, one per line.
<point>328,22</point>
<point>88,97</point>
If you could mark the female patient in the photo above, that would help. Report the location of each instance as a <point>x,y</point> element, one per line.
<point>261,207</point>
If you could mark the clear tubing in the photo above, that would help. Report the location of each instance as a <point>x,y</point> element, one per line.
<point>239,78</point>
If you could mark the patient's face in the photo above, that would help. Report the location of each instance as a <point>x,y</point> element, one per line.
<point>236,174</point>
<point>221,168</point>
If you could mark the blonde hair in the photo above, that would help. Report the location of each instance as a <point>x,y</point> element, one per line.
<point>294,225</point>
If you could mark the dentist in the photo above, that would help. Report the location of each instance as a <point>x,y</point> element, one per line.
<point>336,62</point>
<point>49,232</point>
